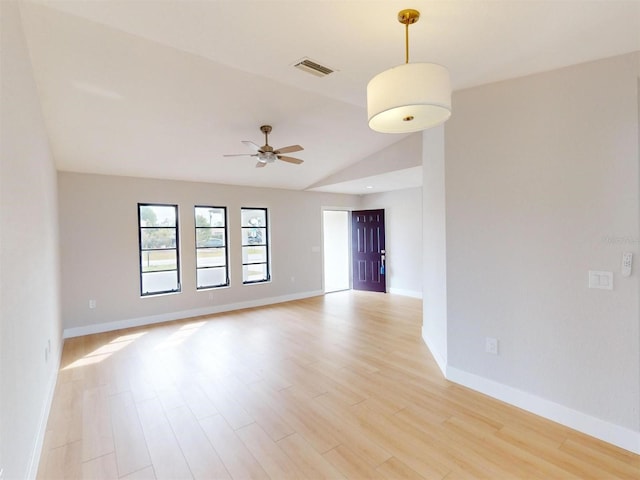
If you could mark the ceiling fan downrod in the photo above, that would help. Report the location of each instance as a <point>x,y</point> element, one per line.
<point>266,129</point>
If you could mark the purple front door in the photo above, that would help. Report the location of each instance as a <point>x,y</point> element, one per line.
<point>367,250</point>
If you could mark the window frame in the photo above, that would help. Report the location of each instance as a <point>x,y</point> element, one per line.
<point>225,246</point>
<point>176,248</point>
<point>266,244</point>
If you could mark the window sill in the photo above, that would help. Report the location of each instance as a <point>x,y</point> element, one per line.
<point>248,284</point>
<point>208,289</point>
<point>164,294</point>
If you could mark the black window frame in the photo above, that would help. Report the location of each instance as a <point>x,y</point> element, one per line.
<point>265,243</point>
<point>225,246</point>
<point>176,248</point>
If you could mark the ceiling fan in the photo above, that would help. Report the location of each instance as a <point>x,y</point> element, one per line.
<point>266,153</point>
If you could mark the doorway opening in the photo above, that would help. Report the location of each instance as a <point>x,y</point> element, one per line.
<point>336,247</point>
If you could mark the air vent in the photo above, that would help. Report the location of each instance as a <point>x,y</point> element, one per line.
<point>314,68</point>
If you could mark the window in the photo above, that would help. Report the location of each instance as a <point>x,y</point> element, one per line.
<point>255,245</point>
<point>212,268</point>
<point>159,259</point>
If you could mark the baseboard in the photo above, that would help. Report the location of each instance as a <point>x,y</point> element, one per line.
<point>595,427</point>
<point>167,317</point>
<point>441,362</point>
<point>44,418</point>
<point>406,293</point>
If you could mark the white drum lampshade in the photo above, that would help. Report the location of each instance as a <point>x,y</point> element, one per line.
<point>409,98</point>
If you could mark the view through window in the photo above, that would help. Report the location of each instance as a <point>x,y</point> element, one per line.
<point>212,268</point>
<point>255,245</point>
<point>158,241</point>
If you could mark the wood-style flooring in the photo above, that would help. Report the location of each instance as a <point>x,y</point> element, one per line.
<point>340,386</point>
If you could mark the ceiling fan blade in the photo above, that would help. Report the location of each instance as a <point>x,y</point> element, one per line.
<point>289,149</point>
<point>297,161</point>
<point>261,164</point>
<point>241,155</point>
<point>251,145</point>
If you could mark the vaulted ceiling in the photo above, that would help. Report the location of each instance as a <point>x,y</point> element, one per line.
<point>164,88</point>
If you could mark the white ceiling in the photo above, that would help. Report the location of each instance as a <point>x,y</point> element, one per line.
<point>164,88</point>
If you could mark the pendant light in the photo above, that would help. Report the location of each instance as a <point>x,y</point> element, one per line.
<point>409,97</point>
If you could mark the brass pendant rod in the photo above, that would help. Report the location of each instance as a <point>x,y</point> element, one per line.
<point>406,43</point>
<point>407,17</point>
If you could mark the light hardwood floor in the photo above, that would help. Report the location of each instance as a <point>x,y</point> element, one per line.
<point>340,386</point>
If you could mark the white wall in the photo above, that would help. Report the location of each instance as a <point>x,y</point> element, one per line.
<point>402,155</point>
<point>29,280</point>
<point>99,237</point>
<point>434,265</point>
<point>403,238</point>
<point>541,187</point>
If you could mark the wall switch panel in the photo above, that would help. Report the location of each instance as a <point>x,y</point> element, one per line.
<point>491,345</point>
<point>601,280</point>
<point>627,262</point>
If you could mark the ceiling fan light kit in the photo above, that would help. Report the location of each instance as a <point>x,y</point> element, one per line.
<point>266,153</point>
<point>409,97</point>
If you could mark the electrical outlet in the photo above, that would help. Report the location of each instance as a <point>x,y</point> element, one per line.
<point>92,304</point>
<point>293,279</point>
<point>210,295</point>
<point>491,345</point>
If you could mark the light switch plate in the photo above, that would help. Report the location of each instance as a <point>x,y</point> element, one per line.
<point>491,345</point>
<point>601,280</point>
<point>627,262</point>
